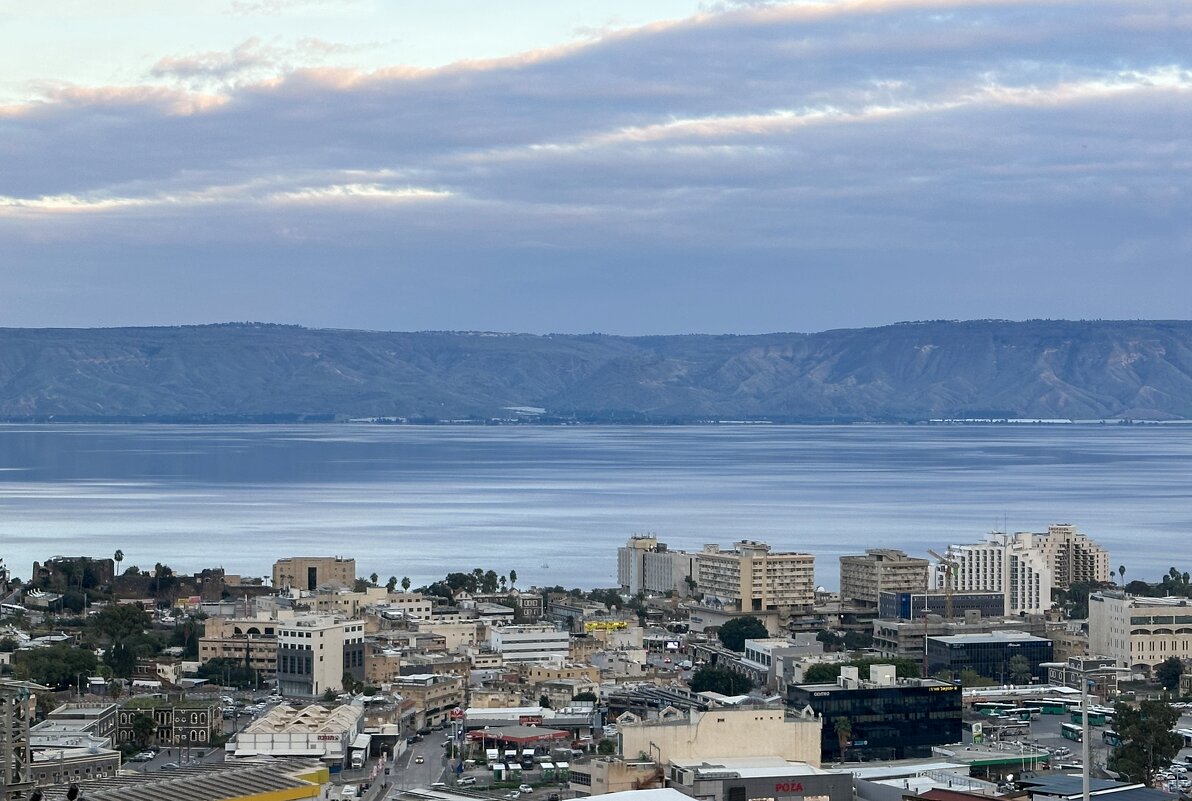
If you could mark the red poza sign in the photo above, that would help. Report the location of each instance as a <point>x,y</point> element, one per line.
<point>788,787</point>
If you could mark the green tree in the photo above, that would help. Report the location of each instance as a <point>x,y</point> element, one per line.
<point>58,666</point>
<point>1121,574</point>
<point>117,622</point>
<point>7,645</point>
<point>720,680</point>
<point>735,632</point>
<point>329,696</point>
<point>971,678</point>
<point>405,583</point>
<point>826,673</point>
<point>143,729</point>
<point>228,672</point>
<point>1020,669</point>
<point>1169,671</point>
<point>118,557</point>
<point>606,747</point>
<point>1148,744</point>
<point>844,733</point>
<point>512,578</point>
<point>121,660</point>
<point>391,584</point>
<point>585,696</point>
<point>544,702</point>
<point>372,579</point>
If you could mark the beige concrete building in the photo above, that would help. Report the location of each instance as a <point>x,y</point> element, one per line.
<point>1139,632</point>
<point>251,638</point>
<point>532,673</point>
<point>864,578</point>
<point>314,652</point>
<point>724,733</point>
<point>645,565</point>
<point>310,572</point>
<point>434,696</point>
<point>603,775</point>
<point>753,578</point>
<point>1073,556</point>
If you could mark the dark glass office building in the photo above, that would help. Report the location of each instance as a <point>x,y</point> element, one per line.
<point>902,720</point>
<point>988,654</point>
<point>910,605</point>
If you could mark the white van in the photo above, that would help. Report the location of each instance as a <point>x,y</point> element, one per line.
<point>349,791</point>
<point>358,759</point>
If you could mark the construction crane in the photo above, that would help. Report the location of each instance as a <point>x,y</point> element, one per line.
<point>949,566</point>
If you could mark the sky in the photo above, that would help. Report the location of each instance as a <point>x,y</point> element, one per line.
<point>624,166</point>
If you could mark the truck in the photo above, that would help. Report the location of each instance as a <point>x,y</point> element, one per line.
<point>358,759</point>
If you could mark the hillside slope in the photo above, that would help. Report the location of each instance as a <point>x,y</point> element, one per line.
<point>1078,370</point>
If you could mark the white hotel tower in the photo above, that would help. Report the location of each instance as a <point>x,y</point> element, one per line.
<point>1025,567</point>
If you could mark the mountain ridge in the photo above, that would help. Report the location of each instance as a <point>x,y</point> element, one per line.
<point>910,371</point>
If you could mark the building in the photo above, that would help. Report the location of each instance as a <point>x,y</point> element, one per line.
<point>314,731</point>
<point>311,572</point>
<point>600,776</point>
<point>753,578</point>
<point>1013,566</point>
<point>989,654</point>
<point>1073,557</point>
<point>769,663</point>
<point>529,643</point>
<point>1074,670</point>
<point>864,578</point>
<point>645,565</point>
<point>743,733</point>
<point>293,780</point>
<point>904,639</point>
<point>314,653</point>
<point>913,605</point>
<point>434,696</point>
<point>889,718</point>
<point>93,719</point>
<point>52,766</point>
<point>251,641</point>
<point>756,778</point>
<point>1137,632</point>
<point>1026,567</point>
<point>189,724</point>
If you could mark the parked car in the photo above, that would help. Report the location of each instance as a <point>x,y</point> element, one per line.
<point>466,781</point>
<point>143,756</point>
<point>525,788</point>
<point>418,760</point>
<point>170,766</point>
<point>513,796</point>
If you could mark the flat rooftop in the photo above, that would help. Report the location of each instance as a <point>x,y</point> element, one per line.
<point>989,637</point>
<point>751,768</point>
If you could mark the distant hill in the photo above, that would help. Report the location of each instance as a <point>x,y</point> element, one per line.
<point>911,371</point>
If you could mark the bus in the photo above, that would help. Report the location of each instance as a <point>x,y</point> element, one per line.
<point>1047,706</point>
<point>1095,718</point>
<point>992,707</point>
<point>1111,738</point>
<point>1005,728</point>
<point>1072,732</point>
<point>1022,713</point>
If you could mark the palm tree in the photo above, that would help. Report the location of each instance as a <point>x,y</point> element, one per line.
<point>118,557</point>
<point>512,577</point>
<point>1020,669</point>
<point>1122,574</point>
<point>373,578</point>
<point>405,583</point>
<point>844,733</point>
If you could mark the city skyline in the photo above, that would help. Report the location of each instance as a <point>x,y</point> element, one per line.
<point>712,167</point>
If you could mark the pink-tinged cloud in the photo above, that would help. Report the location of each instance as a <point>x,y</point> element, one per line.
<point>812,148</point>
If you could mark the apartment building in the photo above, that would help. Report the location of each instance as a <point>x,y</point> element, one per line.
<point>315,651</point>
<point>310,572</point>
<point>753,578</point>
<point>530,643</point>
<point>646,565</point>
<point>434,696</point>
<point>864,578</point>
<point>1137,632</point>
<point>1073,556</point>
<point>241,639</point>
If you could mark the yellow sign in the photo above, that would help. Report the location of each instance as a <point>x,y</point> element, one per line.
<point>606,625</point>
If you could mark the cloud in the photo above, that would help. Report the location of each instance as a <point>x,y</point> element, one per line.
<point>909,141</point>
<point>275,7</point>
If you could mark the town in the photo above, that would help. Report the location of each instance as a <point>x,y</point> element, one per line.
<point>1018,666</point>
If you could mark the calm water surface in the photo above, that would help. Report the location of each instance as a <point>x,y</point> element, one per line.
<point>554,503</point>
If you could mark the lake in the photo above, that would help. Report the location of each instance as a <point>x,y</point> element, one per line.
<point>554,503</point>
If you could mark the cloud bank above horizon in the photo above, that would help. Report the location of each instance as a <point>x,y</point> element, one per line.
<point>737,167</point>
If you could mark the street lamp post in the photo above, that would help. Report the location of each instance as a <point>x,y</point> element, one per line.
<point>1084,674</point>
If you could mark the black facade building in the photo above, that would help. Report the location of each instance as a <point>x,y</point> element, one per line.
<point>988,654</point>
<point>899,720</point>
